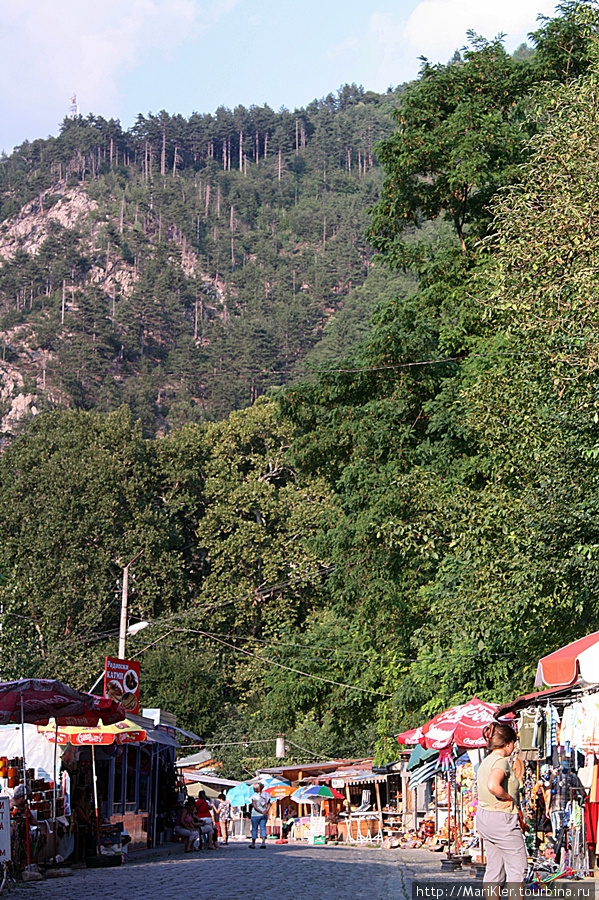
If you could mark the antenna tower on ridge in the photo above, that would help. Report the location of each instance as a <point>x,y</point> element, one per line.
<point>73,108</point>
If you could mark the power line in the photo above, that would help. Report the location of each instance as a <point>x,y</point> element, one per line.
<point>273,662</point>
<point>349,370</point>
<point>238,743</point>
<point>311,646</point>
<point>304,750</point>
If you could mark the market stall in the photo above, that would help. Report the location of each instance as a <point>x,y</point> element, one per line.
<point>35,796</point>
<point>359,818</point>
<point>50,831</point>
<point>559,752</point>
<point>450,776</point>
<point>302,775</point>
<point>121,774</point>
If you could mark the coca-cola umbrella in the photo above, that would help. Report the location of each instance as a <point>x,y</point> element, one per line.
<point>460,726</point>
<point>412,736</point>
<point>36,700</point>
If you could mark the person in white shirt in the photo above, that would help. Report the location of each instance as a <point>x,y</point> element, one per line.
<point>260,806</point>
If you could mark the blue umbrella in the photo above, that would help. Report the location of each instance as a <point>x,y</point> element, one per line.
<point>240,795</point>
<point>270,781</point>
<point>298,795</point>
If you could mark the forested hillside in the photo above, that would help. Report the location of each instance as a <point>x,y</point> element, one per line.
<point>415,522</point>
<point>185,266</point>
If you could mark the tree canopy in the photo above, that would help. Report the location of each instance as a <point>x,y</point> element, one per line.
<point>413,521</point>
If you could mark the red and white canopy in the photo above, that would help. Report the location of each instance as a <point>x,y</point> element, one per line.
<point>412,736</point>
<point>460,726</point>
<point>578,661</point>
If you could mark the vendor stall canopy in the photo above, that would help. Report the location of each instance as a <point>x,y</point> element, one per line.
<point>577,662</point>
<point>36,700</point>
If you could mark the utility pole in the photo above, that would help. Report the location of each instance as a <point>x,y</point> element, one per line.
<point>124,604</point>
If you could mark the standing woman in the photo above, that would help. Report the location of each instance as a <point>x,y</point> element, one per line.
<point>224,813</point>
<point>497,819</point>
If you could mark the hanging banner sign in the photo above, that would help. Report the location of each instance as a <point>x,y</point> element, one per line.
<point>121,682</point>
<point>4,828</point>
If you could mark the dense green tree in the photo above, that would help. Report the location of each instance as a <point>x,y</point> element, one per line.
<point>460,136</point>
<point>80,497</point>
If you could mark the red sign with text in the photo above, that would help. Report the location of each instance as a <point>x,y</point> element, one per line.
<point>121,682</point>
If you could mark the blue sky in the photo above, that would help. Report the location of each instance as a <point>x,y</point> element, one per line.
<point>122,57</point>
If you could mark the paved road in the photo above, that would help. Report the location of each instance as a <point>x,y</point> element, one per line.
<point>234,872</point>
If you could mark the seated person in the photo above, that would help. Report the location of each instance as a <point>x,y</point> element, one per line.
<point>17,804</point>
<point>287,821</point>
<point>186,825</point>
<point>204,815</point>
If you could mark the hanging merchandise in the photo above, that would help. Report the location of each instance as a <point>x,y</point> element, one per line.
<point>527,730</point>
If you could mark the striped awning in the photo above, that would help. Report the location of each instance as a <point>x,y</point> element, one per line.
<point>366,779</point>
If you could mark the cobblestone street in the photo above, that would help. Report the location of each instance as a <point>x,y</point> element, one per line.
<point>237,873</point>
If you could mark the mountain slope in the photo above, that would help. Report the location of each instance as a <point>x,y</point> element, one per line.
<point>184,267</point>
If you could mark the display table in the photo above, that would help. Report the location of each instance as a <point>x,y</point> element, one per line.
<point>392,821</point>
<point>360,828</point>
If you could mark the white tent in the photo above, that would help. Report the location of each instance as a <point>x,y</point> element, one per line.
<point>39,753</point>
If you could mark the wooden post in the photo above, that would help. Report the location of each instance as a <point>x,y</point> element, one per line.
<point>348,798</point>
<point>378,803</point>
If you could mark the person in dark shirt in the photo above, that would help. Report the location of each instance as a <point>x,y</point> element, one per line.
<point>204,816</point>
<point>565,785</point>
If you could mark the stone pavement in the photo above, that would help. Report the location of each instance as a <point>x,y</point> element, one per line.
<point>281,872</point>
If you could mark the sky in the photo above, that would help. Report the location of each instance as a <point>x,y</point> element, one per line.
<point>123,57</point>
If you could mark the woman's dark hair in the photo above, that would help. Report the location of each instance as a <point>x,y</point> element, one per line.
<point>202,795</point>
<point>221,796</point>
<point>190,802</point>
<point>498,734</point>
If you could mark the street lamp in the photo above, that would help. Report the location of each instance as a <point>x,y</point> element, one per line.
<point>138,626</point>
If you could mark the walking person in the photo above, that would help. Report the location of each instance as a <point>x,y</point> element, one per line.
<point>260,806</point>
<point>224,817</point>
<point>497,820</point>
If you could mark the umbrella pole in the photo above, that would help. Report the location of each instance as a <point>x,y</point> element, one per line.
<point>448,816</point>
<point>54,781</point>
<point>54,787</point>
<point>27,836</point>
<point>457,818</point>
<point>96,798</point>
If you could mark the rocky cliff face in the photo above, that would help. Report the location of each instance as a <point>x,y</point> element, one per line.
<point>24,387</point>
<point>68,208</point>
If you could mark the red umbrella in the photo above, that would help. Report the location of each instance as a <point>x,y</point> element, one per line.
<point>36,700</point>
<point>460,726</point>
<point>104,710</point>
<point>412,736</point>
